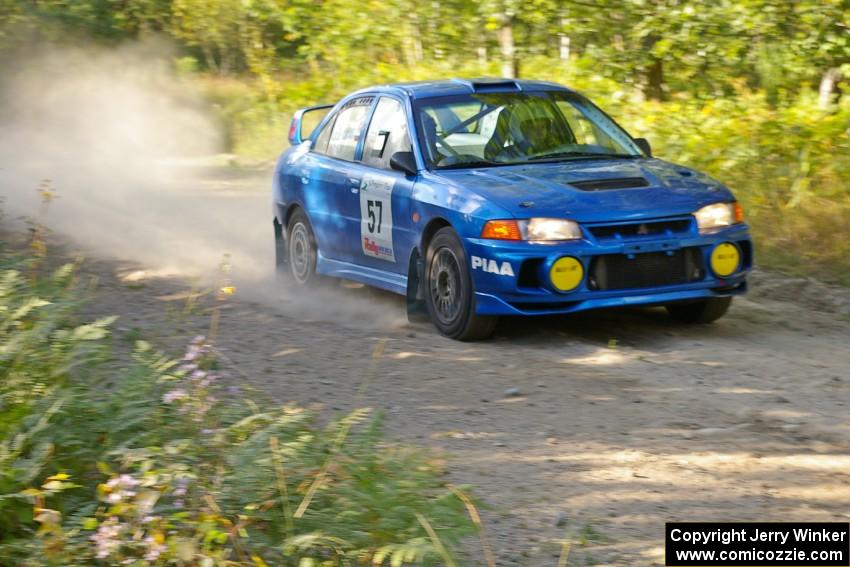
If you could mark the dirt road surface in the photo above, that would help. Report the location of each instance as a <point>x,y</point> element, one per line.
<point>597,427</point>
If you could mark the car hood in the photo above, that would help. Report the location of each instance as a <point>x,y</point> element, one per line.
<point>654,188</point>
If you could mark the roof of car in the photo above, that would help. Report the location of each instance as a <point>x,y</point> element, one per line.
<point>449,87</point>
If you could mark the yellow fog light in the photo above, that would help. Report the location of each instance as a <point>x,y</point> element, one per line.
<point>566,273</point>
<point>725,259</point>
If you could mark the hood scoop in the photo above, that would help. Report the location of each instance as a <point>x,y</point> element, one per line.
<point>610,184</point>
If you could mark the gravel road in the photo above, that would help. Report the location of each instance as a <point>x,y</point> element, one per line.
<point>597,427</point>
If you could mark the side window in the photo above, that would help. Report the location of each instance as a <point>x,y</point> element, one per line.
<point>387,134</point>
<point>321,144</point>
<point>347,128</point>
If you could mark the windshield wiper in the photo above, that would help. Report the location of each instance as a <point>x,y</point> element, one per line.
<point>557,155</point>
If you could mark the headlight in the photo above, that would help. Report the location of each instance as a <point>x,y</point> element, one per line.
<point>719,215</point>
<point>534,230</point>
<point>550,229</point>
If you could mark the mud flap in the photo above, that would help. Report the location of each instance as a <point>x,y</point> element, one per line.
<point>417,311</point>
<point>280,251</point>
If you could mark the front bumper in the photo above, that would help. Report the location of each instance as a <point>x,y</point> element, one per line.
<point>512,278</point>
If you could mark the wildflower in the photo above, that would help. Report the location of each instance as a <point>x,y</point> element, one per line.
<point>126,480</point>
<point>191,354</point>
<point>196,348</point>
<point>106,538</point>
<point>182,484</point>
<point>155,549</point>
<point>120,488</point>
<point>173,395</point>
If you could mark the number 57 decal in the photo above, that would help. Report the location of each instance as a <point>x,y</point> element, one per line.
<point>376,217</point>
<point>371,207</point>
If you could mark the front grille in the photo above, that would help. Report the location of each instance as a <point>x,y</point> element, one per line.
<point>611,184</point>
<point>619,271</point>
<point>640,229</point>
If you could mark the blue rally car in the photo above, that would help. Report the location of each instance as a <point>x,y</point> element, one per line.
<point>483,198</point>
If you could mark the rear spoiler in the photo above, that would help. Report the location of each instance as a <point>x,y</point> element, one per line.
<point>296,134</point>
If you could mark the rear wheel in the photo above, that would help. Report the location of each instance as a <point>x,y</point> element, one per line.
<point>301,249</point>
<point>449,294</point>
<point>705,311</point>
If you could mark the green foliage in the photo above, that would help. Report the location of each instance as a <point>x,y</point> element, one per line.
<point>705,47</point>
<point>41,350</point>
<point>149,465</point>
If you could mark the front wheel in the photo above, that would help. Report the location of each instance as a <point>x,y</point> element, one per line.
<point>705,311</point>
<point>449,296</point>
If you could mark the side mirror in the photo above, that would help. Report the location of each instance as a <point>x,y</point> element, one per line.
<point>304,121</point>
<point>404,162</point>
<point>644,146</point>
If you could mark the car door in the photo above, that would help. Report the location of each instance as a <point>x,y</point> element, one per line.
<point>330,178</point>
<point>380,209</point>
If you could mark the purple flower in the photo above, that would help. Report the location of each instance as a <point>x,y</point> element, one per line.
<point>173,395</point>
<point>154,549</point>
<point>106,538</point>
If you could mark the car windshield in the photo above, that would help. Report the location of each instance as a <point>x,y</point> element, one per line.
<point>489,129</point>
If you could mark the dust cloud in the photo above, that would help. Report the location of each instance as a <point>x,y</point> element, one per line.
<point>129,147</point>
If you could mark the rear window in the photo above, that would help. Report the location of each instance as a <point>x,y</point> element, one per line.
<point>340,137</point>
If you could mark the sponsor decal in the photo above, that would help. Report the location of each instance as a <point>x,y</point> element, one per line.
<point>372,248</point>
<point>492,266</point>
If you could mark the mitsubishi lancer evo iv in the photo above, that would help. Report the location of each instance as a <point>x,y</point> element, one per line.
<point>485,198</point>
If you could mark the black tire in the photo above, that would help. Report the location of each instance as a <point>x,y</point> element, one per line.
<point>705,311</point>
<point>449,293</point>
<point>301,251</point>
